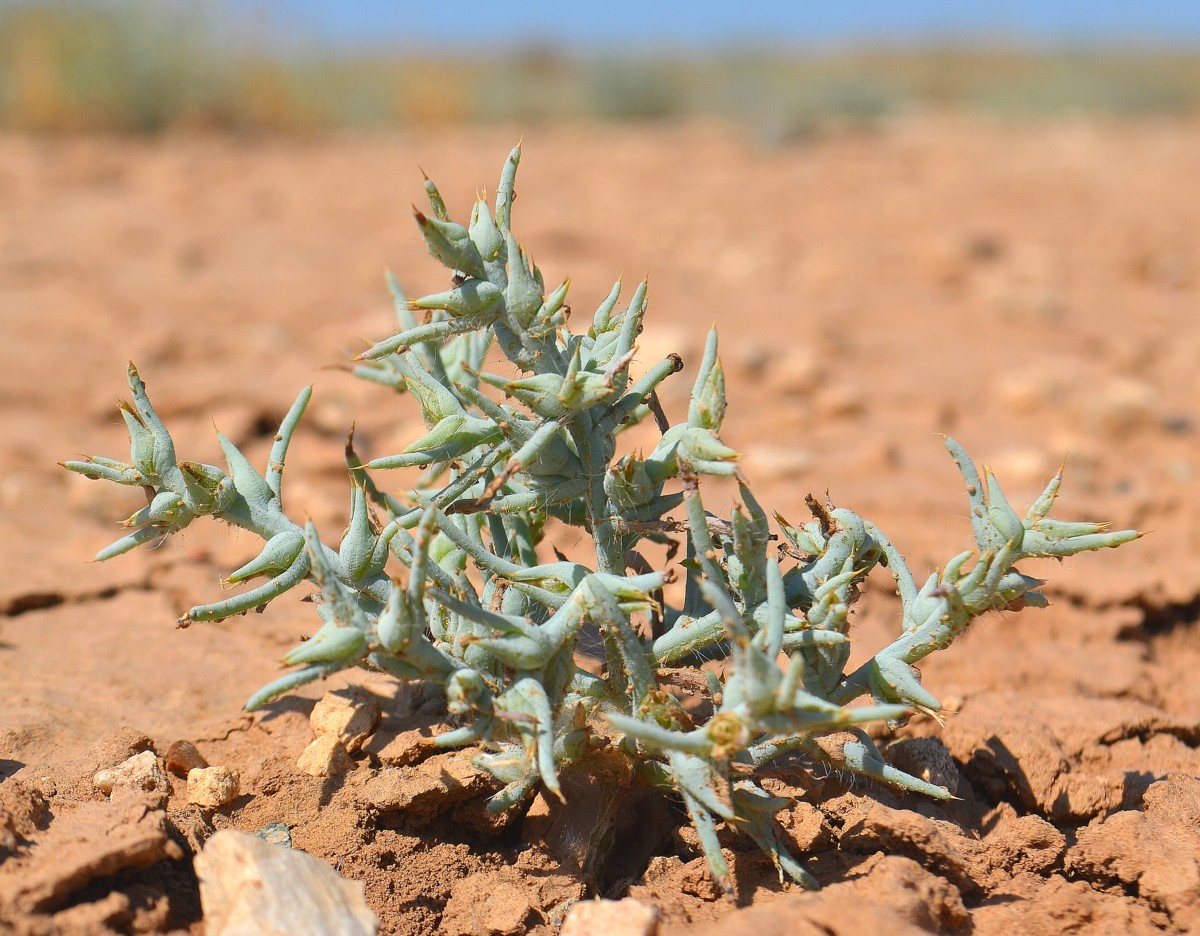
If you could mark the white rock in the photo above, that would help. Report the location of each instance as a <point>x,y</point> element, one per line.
<point>1122,404</point>
<point>626,917</point>
<point>769,462</point>
<point>838,401</point>
<point>140,772</point>
<point>212,786</point>
<point>799,372</point>
<point>1024,467</point>
<point>1031,390</point>
<point>249,887</point>
<point>324,757</point>
<point>350,715</point>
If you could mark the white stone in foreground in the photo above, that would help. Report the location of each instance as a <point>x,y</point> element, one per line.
<point>249,887</point>
<point>626,917</point>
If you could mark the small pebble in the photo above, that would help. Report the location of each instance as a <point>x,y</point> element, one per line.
<point>839,401</point>
<point>799,372</point>
<point>120,745</point>
<point>324,757</point>
<point>212,786</point>
<point>1121,405</point>
<point>276,833</point>
<point>776,462</point>
<point>182,758</point>
<point>140,772</point>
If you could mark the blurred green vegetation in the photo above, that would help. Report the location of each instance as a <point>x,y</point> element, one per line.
<point>143,66</point>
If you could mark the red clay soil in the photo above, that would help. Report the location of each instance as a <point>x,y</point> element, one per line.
<point>1035,291</point>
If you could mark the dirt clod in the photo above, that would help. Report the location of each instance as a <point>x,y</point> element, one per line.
<point>426,789</point>
<point>934,843</point>
<point>489,903</point>
<point>1031,749</point>
<point>93,840</point>
<point>22,812</point>
<point>900,884</point>
<point>812,915</point>
<point>118,746</point>
<point>1155,853</point>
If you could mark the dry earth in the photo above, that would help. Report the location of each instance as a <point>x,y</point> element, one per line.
<point>1032,290</point>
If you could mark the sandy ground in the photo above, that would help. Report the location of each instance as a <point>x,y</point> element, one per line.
<point>1033,291</point>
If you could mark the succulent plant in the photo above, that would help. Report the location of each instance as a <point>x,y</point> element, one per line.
<point>480,616</point>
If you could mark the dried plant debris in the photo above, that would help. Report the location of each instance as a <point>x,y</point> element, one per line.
<point>481,613</point>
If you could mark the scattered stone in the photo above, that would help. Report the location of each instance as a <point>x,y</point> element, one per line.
<point>839,401</point>
<point>324,757</point>
<point>1025,466</point>
<point>1031,390</point>
<point>349,714</point>
<point>92,840</point>
<point>489,903</point>
<point>212,786</point>
<point>798,372</point>
<point>248,886</point>
<point>182,758</point>
<point>695,878</point>
<point>926,758</point>
<point>275,833</point>
<point>1124,404</point>
<point>140,772</point>
<point>626,917</point>
<point>776,462</point>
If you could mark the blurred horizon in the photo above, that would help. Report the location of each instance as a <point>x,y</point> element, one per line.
<point>705,25</point>
<point>144,66</point>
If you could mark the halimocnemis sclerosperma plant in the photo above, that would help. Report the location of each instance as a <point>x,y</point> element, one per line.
<point>484,621</point>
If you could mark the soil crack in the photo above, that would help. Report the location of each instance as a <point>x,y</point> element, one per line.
<point>1159,618</point>
<point>44,600</point>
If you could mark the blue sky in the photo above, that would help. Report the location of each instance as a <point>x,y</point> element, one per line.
<point>637,24</point>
